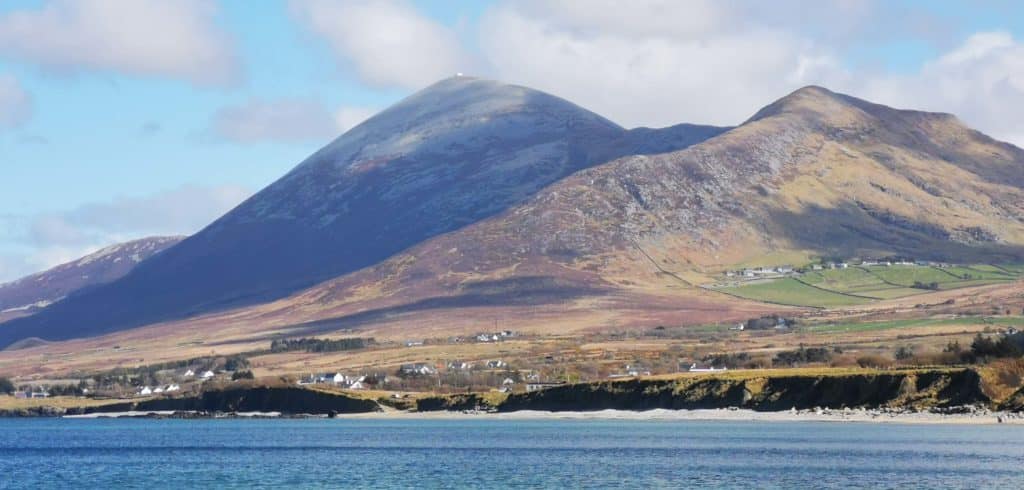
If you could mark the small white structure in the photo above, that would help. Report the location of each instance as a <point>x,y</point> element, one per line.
<point>145,391</point>
<point>417,369</point>
<point>496,364</point>
<point>538,385</point>
<point>710,369</point>
<point>188,374</point>
<point>172,388</point>
<point>207,375</point>
<point>39,394</point>
<point>158,389</point>
<point>508,382</point>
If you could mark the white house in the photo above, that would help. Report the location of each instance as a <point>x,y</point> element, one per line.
<point>496,364</point>
<point>508,382</point>
<point>158,389</point>
<point>172,388</point>
<point>188,374</point>
<point>417,369</point>
<point>206,375</point>
<point>537,386</point>
<point>710,369</point>
<point>145,390</point>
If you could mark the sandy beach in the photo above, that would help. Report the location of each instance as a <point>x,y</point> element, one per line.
<point>737,415</point>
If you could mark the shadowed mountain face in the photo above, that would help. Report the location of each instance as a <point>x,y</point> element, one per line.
<point>458,152</point>
<point>815,174</point>
<point>474,194</point>
<point>31,294</point>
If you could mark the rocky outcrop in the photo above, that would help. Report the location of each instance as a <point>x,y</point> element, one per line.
<point>911,390</point>
<point>286,400</point>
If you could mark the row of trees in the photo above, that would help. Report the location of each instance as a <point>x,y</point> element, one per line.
<point>313,344</point>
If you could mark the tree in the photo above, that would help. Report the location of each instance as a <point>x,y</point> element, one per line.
<point>904,353</point>
<point>237,375</point>
<point>6,386</point>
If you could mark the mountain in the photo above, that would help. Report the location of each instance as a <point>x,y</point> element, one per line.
<point>812,175</point>
<point>31,294</point>
<point>445,158</point>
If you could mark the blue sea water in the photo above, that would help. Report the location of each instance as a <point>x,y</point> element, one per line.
<point>346,453</point>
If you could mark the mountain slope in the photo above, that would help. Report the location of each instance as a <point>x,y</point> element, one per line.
<point>449,156</point>
<point>815,174</point>
<point>31,294</point>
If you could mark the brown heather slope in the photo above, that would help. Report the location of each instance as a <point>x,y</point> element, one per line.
<point>816,173</point>
<point>621,244</point>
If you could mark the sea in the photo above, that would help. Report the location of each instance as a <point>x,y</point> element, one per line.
<point>468,453</point>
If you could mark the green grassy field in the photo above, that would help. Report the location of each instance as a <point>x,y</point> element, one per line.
<point>857,285</point>
<point>995,321</point>
<point>792,292</point>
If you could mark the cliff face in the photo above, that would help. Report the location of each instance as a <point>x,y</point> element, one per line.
<point>926,389</point>
<point>256,399</point>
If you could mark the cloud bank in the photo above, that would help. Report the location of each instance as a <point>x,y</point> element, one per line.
<point>55,238</point>
<point>176,39</point>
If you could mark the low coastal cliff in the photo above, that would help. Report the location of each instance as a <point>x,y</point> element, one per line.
<point>286,400</point>
<point>911,390</point>
<point>936,390</point>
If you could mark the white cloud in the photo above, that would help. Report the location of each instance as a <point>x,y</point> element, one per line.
<point>707,70</point>
<point>388,43</point>
<point>979,81</point>
<point>15,103</point>
<point>39,242</point>
<point>153,38</point>
<point>284,120</point>
<point>660,62</point>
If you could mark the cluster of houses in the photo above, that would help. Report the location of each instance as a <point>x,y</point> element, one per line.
<point>631,371</point>
<point>786,270</point>
<point>147,391</point>
<point>480,337</point>
<point>337,379</point>
<point>466,366</point>
<point>189,374</point>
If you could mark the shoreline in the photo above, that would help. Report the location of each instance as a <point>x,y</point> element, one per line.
<point>655,415</point>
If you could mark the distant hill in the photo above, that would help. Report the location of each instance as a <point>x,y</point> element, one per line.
<point>31,294</point>
<point>473,194</point>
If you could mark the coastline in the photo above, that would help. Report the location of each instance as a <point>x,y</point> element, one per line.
<point>697,415</point>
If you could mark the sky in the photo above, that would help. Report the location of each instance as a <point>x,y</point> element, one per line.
<point>121,119</point>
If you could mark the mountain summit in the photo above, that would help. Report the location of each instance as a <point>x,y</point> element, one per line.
<point>455,153</point>
<point>473,195</point>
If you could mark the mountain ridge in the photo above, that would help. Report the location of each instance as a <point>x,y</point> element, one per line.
<point>29,294</point>
<point>452,154</point>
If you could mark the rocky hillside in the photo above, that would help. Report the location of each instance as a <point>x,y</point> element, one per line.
<point>473,194</point>
<point>30,294</point>
<point>814,174</point>
<point>447,157</point>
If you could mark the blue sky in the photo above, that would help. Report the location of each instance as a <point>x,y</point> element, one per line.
<point>185,107</point>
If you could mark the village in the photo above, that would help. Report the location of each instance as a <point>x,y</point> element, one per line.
<point>773,272</point>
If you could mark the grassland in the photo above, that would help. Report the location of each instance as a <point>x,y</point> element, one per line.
<point>858,285</point>
<point>789,291</point>
<point>921,322</point>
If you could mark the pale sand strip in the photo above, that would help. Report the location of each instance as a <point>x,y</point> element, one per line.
<point>859,416</point>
